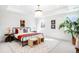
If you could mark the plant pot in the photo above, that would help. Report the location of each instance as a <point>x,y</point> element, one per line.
<point>77,42</point>
<point>73,40</point>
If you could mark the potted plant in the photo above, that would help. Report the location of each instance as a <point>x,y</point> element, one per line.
<point>68,27</point>
<point>76,31</point>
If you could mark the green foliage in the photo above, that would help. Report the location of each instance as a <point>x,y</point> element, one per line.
<point>70,27</point>
<point>67,25</point>
<point>76,26</point>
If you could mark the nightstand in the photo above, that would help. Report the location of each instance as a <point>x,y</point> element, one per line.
<point>9,37</point>
<point>77,50</point>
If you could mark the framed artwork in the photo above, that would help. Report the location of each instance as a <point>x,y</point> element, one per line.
<point>53,24</point>
<point>42,25</point>
<point>22,23</point>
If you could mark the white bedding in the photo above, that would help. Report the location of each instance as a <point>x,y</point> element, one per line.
<point>16,35</point>
<point>25,38</point>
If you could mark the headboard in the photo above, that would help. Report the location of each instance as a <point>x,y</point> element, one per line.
<point>15,30</point>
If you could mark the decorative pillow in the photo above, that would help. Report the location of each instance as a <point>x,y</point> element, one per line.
<point>25,30</point>
<point>16,31</point>
<point>21,31</point>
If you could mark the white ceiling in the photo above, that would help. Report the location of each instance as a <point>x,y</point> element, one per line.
<point>47,9</point>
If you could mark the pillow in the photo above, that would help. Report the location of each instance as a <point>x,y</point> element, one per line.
<point>21,31</point>
<point>25,30</point>
<point>16,31</point>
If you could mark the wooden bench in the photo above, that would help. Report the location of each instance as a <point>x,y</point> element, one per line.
<point>33,41</point>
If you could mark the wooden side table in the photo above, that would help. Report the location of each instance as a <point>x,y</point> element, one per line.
<point>9,37</point>
<point>77,50</point>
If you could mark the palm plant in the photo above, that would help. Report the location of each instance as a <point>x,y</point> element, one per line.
<point>68,27</point>
<point>76,26</point>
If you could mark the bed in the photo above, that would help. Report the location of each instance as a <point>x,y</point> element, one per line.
<point>24,34</point>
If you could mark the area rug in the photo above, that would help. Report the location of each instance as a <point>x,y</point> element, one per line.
<point>15,47</point>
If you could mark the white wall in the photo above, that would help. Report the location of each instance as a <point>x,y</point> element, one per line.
<point>56,33</point>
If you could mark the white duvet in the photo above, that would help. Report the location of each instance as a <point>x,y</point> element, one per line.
<point>16,35</point>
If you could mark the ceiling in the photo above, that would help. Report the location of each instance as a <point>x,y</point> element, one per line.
<point>47,9</point>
